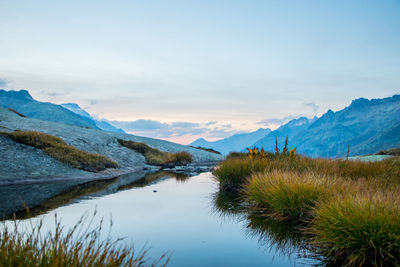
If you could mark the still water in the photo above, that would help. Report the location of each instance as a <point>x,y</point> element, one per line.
<point>188,218</point>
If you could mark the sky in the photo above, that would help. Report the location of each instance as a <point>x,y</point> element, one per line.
<point>179,70</point>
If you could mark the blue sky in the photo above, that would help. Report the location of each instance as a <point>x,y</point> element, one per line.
<point>183,64</point>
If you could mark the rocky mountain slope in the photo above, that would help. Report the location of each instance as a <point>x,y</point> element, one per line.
<point>235,142</point>
<point>22,102</point>
<point>366,125</point>
<point>24,162</point>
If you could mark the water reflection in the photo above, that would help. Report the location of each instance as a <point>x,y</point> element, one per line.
<point>76,192</point>
<point>284,238</point>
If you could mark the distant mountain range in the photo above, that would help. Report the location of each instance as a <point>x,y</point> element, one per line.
<point>235,142</point>
<point>102,124</point>
<point>22,102</point>
<point>366,125</point>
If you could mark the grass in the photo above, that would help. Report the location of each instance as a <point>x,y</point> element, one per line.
<point>207,149</point>
<point>288,196</point>
<point>233,173</point>
<point>156,157</point>
<point>77,246</point>
<point>350,209</point>
<point>236,170</point>
<point>361,230</point>
<point>58,149</point>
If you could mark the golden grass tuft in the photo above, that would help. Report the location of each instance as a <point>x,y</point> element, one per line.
<point>58,149</point>
<point>359,229</point>
<point>288,196</point>
<point>156,157</point>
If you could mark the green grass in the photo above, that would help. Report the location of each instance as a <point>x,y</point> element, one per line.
<point>58,149</point>
<point>156,157</point>
<point>360,230</point>
<point>77,246</point>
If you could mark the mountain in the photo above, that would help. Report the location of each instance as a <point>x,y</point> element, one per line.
<point>22,102</point>
<point>366,125</point>
<point>235,142</point>
<point>103,125</point>
<point>292,128</point>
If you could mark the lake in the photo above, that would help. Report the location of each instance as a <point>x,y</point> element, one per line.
<point>187,217</point>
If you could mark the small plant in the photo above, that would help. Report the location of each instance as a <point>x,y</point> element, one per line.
<point>285,148</point>
<point>276,146</point>
<point>292,152</point>
<point>253,152</point>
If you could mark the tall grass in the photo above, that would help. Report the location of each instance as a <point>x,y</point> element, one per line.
<point>77,246</point>
<point>236,171</point>
<point>233,173</point>
<point>154,156</point>
<point>288,196</point>
<point>58,149</point>
<point>360,229</point>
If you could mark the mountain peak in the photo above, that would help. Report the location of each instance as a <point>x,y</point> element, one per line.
<point>21,94</point>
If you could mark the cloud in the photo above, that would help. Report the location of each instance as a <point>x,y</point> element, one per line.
<point>157,129</point>
<point>51,93</point>
<point>93,102</point>
<point>210,123</point>
<point>312,105</point>
<point>277,121</point>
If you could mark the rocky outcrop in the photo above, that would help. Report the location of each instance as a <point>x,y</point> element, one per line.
<point>20,162</point>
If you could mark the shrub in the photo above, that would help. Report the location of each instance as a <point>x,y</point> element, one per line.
<point>361,230</point>
<point>288,196</point>
<point>181,157</point>
<point>77,246</point>
<point>58,149</point>
<point>156,157</point>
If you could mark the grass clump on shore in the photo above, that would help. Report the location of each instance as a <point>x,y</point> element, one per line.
<point>233,173</point>
<point>288,196</point>
<point>77,246</point>
<point>58,149</point>
<point>361,230</point>
<point>156,157</point>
